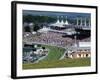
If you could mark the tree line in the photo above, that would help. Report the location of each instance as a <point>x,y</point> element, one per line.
<point>39,19</point>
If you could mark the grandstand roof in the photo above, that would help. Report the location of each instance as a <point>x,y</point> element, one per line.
<point>44,29</point>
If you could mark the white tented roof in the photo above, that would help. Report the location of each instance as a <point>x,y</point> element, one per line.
<point>44,29</point>
<point>58,23</point>
<point>66,23</point>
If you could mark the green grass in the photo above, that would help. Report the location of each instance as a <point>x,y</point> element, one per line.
<point>52,60</point>
<point>59,63</point>
<point>54,52</point>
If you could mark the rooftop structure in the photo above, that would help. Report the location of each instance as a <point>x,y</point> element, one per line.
<point>44,29</point>
<point>60,23</point>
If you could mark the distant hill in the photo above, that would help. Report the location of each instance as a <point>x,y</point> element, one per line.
<point>47,13</point>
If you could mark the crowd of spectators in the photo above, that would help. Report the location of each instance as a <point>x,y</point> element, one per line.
<point>52,38</point>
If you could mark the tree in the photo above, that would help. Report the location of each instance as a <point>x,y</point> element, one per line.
<point>38,19</point>
<point>36,27</point>
<point>27,29</point>
<point>28,18</point>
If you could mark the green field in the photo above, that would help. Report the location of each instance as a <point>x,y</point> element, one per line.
<point>52,60</point>
<point>54,52</point>
<point>59,63</point>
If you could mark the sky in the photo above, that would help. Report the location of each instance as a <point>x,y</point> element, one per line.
<point>49,13</point>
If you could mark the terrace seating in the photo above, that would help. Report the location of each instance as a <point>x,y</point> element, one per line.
<point>52,38</point>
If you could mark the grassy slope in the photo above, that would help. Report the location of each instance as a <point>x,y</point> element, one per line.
<point>54,52</point>
<point>59,63</point>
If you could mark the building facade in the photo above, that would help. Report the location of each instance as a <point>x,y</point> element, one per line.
<point>82,50</point>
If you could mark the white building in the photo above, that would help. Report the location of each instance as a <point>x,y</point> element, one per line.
<point>82,50</point>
